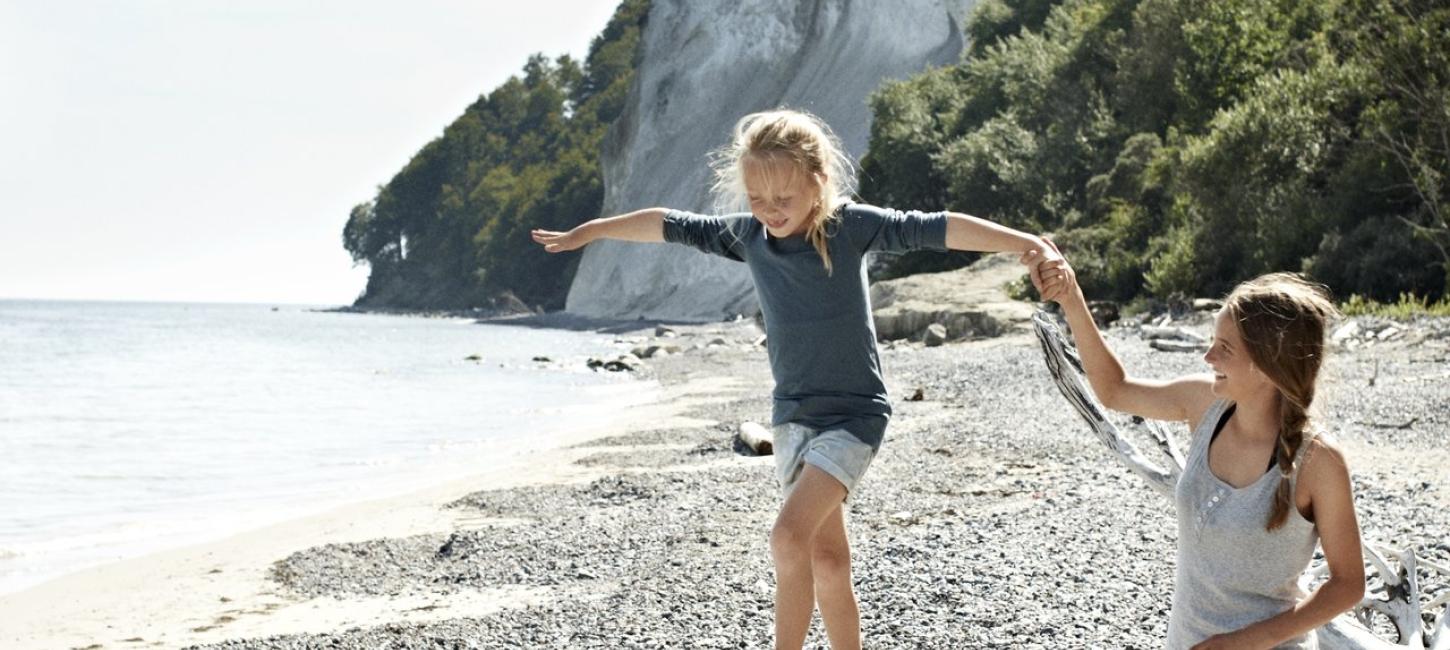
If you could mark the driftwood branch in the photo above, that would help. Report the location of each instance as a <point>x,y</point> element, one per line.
<point>756,438</point>
<point>1165,444</point>
<point>1067,374</point>
<point>1394,593</point>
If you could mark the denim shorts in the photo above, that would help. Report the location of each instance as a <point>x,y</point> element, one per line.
<point>834,451</point>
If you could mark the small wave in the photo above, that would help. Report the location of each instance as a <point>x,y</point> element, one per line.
<point>362,462</point>
<point>154,478</point>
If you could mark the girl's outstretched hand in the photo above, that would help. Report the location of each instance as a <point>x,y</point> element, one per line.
<point>1057,278</point>
<point>558,242</point>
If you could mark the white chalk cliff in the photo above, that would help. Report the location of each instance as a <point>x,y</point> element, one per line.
<point>703,66</point>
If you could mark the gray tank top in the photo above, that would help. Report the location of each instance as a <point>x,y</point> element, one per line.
<point>1231,572</point>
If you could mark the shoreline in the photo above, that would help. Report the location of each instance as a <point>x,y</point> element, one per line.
<point>304,455</point>
<point>154,600</point>
<point>556,320</point>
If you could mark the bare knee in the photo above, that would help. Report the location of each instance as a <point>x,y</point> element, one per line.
<point>790,543</point>
<point>831,563</point>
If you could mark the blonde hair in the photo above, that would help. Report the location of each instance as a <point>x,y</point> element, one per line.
<point>1283,319</point>
<point>803,141</point>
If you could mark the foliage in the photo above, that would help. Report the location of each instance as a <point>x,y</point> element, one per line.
<point>1406,307</point>
<point>450,230</point>
<point>1177,147</point>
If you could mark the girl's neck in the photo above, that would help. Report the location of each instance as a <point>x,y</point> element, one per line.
<point>1258,417</point>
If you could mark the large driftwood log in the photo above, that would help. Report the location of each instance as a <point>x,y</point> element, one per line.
<point>1394,594</point>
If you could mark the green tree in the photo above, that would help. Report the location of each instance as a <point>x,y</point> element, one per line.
<point>450,230</point>
<point>1181,146</point>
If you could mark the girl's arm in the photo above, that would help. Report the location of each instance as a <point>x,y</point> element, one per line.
<point>1327,479</point>
<point>641,225</point>
<point>1183,399</point>
<point>968,233</point>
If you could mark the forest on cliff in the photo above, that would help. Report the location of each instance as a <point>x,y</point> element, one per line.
<point>1173,148</point>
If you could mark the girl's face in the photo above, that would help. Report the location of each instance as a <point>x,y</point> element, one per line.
<point>1234,375</point>
<point>782,198</point>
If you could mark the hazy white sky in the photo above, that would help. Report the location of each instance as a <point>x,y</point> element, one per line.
<point>210,150</point>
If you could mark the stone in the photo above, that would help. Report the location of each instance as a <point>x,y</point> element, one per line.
<point>625,362</point>
<point>1105,312</point>
<point>968,301</point>
<point>650,351</point>
<point>936,334</point>
<point>1345,332</point>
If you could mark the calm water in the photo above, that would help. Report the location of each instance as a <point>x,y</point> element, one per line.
<point>130,427</point>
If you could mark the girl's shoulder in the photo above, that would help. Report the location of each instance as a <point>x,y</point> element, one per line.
<point>1204,416</point>
<point>1323,469</point>
<point>866,217</point>
<point>736,223</point>
<point>1192,395</point>
<point>1321,452</point>
<point>854,210</point>
<point>866,212</point>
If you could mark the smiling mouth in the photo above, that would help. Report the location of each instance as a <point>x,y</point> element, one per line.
<point>776,224</point>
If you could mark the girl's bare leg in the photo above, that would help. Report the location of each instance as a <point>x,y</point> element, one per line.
<point>831,566</point>
<point>815,495</point>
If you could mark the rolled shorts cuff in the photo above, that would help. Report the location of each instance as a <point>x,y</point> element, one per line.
<point>828,466</point>
<point>836,452</point>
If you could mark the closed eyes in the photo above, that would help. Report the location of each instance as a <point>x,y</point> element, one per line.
<point>780,202</point>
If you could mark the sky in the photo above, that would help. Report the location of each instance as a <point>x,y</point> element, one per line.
<point>210,150</point>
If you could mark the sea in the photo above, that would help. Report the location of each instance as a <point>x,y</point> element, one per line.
<point>128,428</point>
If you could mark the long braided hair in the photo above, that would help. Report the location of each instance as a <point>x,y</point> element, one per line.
<point>1283,319</point>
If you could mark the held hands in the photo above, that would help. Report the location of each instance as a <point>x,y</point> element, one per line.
<point>1050,272</point>
<point>558,242</point>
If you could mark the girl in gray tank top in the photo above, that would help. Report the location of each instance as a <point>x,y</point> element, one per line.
<point>1231,571</point>
<point>1259,489</point>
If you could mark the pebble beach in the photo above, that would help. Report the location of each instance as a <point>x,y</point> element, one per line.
<point>991,518</point>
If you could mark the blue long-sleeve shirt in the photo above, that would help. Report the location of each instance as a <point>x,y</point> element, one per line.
<point>822,340</point>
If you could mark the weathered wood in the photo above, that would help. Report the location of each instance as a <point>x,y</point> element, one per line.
<point>1165,443</point>
<point>1157,332</point>
<point>756,438</point>
<point>1067,374</point>
<point>1348,634</point>
<point>1172,345</point>
<point>1392,593</point>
